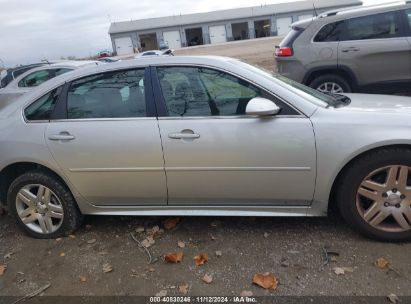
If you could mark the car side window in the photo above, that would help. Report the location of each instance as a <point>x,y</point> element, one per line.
<point>330,32</point>
<point>377,26</point>
<point>198,91</point>
<point>37,78</point>
<point>42,108</point>
<point>117,94</point>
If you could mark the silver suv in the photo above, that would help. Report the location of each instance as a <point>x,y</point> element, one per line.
<point>365,49</point>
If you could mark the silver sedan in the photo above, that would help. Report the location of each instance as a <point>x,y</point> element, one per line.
<point>202,136</point>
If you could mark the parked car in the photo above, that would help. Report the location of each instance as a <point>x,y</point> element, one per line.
<point>104,54</point>
<point>202,136</point>
<point>154,53</point>
<point>163,46</point>
<point>36,76</point>
<point>108,59</point>
<point>364,49</point>
<point>10,74</point>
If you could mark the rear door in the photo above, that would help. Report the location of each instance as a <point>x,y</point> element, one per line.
<point>216,155</point>
<point>105,137</point>
<point>375,49</point>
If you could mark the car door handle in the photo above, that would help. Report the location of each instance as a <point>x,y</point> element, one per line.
<point>62,136</point>
<point>183,135</point>
<point>350,49</point>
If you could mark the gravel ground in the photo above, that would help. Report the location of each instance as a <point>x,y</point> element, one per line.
<point>292,249</point>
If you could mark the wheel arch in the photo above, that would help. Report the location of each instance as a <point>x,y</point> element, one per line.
<point>331,200</point>
<point>9,173</point>
<point>342,71</point>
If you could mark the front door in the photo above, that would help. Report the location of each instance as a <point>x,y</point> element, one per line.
<point>108,146</point>
<point>216,155</point>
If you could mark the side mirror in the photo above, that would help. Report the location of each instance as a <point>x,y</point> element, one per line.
<point>261,107</point>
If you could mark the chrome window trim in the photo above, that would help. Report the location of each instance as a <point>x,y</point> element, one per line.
<point>228,117</point>
<point>104,119</point>
<point>232,74</point>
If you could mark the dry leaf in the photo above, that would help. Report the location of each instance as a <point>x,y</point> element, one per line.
<point>151,269</point>
<point>155,229</point>
<point>183,289</point>
<point>148,241</point>
<point>2,269</point>
<point>218,253</point>
<point>62,254</point>
<point>8,255</point>
<point>267,280</point>
<point>342,270</point>
<point>107,268</point>
<point>92,241</point>
<point>201,259</point>
<point>83,279</point>
<point>171,223</point>
<point>381,263</point>
<point>174,257</point>
<point>265,235</point>
<point>207,278</point>
<point>58,239</point>
<point>140,229</point>
<point>72,236</point>
<point>213,238</point>
<point>246,293</point>
<point>181,244</point>
<point>393,298</point>
<point>333,258</point>
<point>161,293</point>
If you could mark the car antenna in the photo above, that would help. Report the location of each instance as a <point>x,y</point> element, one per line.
<point>315,10</point>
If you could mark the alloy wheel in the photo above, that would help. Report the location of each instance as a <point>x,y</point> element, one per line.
<point>330,87</point>
<point>384,199</point>
<point>39,208</point>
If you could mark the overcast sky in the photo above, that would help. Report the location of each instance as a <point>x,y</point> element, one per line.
<point>31,30</point>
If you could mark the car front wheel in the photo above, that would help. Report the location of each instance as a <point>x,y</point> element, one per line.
<point>331,84</point>
<point>43,206</point>
<point>374,196</point>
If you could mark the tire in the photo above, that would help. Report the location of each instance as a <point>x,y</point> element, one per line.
<point>61,211</point>
<point>331,78</point>
<point>375,166</point>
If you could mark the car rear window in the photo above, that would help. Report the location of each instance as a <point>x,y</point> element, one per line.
<point>291,36</point>
<point>330,32</point>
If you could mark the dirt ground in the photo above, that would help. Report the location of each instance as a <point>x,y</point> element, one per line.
<point>290,248</point>
<point>256,51</point>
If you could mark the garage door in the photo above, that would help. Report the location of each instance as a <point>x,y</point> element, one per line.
<point>283,26</point>
<point>218,34</point>
<point>172,38</point>
<point>124,46</point>
<point>304,17</point>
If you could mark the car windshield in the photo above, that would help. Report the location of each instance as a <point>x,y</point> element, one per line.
<point>314,96</point>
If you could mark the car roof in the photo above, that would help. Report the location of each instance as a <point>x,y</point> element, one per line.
<point>364,10</point>
<point>151,60</point>
<point>217,61</point>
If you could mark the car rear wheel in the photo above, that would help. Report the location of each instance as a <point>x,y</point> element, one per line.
<point>331,84</point>
<point>374,196</point>
<point>43,206</point>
